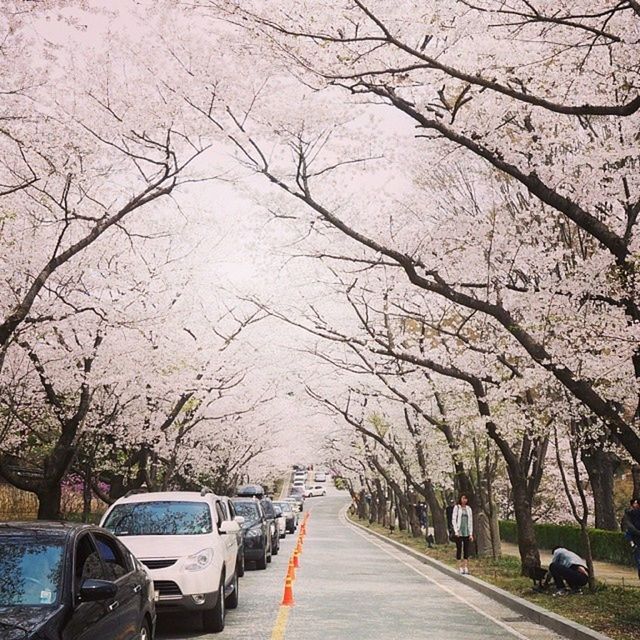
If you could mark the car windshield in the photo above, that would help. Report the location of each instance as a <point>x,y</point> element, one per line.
<point>159,519</point>
<point>30,571</point>
<point>285,506</point>
<point>248,510</point>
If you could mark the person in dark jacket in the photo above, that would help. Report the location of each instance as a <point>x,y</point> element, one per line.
<point>631,526</point>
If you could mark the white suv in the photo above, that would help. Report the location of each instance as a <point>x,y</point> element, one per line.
<point>191,551</point>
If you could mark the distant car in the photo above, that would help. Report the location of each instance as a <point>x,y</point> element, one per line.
<point>296,504</point>
<point>315,490</point>
<point>320,476</point>
<point>297,493</point>
<point>256,530</point>
<point>281,520</point>
<point>63,580</point>
<point>289,514</point>
<point>270,514</point>
<point>188,547</point>
<point>298,483</point>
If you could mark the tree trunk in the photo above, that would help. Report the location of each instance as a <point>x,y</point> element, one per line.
<point>601,467</point>
<point>586,543</point>
<point>527,544</point>
<point>49,502</point>
<point>86,494</point>
<point>438,516</point>
<point>635,473</point>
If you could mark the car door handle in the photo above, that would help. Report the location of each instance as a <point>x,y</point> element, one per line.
<point>113,606</point>
<point>137,588</point>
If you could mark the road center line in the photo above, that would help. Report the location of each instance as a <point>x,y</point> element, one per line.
<point>374,542</point>
<point>281,624</point>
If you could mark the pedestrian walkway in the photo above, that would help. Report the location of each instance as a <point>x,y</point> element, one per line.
<point>605,571</point>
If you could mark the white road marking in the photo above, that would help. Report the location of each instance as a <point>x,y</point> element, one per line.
<point>374,542</point>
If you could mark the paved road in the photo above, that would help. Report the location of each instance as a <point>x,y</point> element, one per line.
<point>351,586</point>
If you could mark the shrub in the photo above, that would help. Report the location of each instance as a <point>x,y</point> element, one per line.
<point>609,546</point>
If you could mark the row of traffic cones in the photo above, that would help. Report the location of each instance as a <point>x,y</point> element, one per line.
<point>294,563</point>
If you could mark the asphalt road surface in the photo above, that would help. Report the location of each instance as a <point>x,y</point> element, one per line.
<point>351,586</point>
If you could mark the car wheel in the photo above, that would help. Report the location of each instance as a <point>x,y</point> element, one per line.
<point>231,602</point>
<point>213,619</point>
<point>144,633</point>
<point>240,565</point>
<point>262,563</point>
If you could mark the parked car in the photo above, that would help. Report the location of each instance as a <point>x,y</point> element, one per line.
<point>64,581</point>
<point>270,514</point>
<point>281,521</point>
<point>291,520</point>
<point>230,514</point>
<point>320,476</point>
<point>256,531</point>
<point>298,483</point>
<point>297,493</point>
<point>296,505</point>
<point>189,548</point>
<point>315,490</point>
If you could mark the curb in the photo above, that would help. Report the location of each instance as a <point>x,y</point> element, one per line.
<point>559,624</point>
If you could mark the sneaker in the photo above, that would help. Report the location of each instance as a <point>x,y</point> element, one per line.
<point>576,592</point>
<point>461,571</point>
<point>560,592</point>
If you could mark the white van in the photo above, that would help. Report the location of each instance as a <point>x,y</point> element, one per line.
<point>189,548</point>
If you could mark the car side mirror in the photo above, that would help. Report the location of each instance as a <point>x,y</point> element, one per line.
<point>96,590</point>
<point>229,526</point>
<point>239,519</point>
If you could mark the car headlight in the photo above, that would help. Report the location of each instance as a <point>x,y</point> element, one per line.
<point>253,533</point>
<point>200,560</point>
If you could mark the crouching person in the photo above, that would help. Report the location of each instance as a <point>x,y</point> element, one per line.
<point>569,571</point>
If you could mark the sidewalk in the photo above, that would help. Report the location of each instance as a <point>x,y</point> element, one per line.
<point>605,571</point>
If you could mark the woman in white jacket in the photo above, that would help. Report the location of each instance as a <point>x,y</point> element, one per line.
<point>462,522</point>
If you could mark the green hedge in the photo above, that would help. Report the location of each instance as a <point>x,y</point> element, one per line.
<point>609,546</point>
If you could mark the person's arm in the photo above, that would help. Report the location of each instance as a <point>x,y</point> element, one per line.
<point>454,520</point>
<point>470,523</point>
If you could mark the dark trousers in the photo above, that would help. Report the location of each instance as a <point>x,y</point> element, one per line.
<point>462,546</point>
<point>573,578</point>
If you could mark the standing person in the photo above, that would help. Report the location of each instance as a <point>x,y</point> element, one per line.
<point>569,571</point>
<point>631,527</point>
<point>462,523</point>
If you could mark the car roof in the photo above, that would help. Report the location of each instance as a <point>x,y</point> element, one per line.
<point>167,496</point>
<point>43,527</point>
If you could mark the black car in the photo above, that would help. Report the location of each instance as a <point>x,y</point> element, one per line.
<point>64,581</point>
<point>289,514</point>
<point>256,531</point>
<point>269,512</point>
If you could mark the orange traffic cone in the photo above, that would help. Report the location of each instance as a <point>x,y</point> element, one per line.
<point>296,558</point>
<point>291,570</point>
<point>287,598</point>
